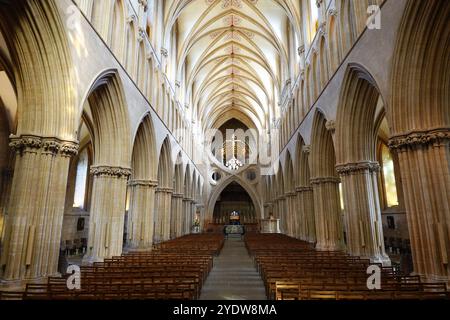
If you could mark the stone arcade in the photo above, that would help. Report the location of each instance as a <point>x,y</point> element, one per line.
<point>106,109</point>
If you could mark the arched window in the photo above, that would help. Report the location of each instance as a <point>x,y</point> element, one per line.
<point>314,18</point>
<point>81,180</point>
<point>390,187</point>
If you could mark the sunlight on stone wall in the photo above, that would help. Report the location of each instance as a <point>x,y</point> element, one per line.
<point>389,178</point>
<point>80,184</point>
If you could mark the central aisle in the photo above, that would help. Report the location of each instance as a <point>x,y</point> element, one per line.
<point>234,276</point>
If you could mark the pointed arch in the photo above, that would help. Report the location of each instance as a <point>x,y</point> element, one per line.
<point>144,159</point>
<point>165,165</point>
<point>302,167</point>
<point>106,117</point>
<point>323,158</point>
<point>357,105</point>
<point>289,182</point>
<point>117,32</point>
<point>39,46</point>
<point>225,183</point>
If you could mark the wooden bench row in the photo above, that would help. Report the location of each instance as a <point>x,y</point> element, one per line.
<point>293,270</point>
<point>173,270</point>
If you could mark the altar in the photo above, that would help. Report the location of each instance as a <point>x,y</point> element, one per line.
<point>270,226</point>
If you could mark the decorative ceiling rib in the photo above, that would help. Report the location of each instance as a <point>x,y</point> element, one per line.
<point>232,55</point>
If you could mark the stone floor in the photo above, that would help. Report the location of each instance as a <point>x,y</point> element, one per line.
<point>234,276</point>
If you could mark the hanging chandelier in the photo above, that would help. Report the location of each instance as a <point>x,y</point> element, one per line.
<point>234,164</point>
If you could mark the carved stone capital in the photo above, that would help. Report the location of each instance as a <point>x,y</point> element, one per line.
<point>323,180</point>
<point>143,3</point>
<point>333,12</point>
<point>290,194</point>
<point>358,167</point>
<point>331,126</point>
<point>143,183</point>
<point>178,195</point>
<point>141,35</point>
<point>301,50</point>
<point>303,189</point>
<point>164,52</point>
<point>117,172</point>
<point>306,149</point>
<point>69,149</point>
<point>164,190</point>
<point>49,145</point>
<point>420,138</point>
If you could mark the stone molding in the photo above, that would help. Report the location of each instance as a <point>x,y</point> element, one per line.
<point>330,125</point>
<point>306,149</point>
<point>110,171</point>
<point>50,145</point>
<point>303,189</point>
<point>358,167</point>
<point>323,180</point>
<point>143,183</point>
<point>178,195</point>
<point>290,194</point>
<point>164,190</point>
<point>420,138</point>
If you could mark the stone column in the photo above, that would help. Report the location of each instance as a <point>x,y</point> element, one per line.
<point>193,209</point>
<point>177,207</point>
<point>306,227</point>
<point>327,211</point>
<point>164,204</point>
<point>362,211</point>
<point>141,214</point>
<point>292,212</point>
<point>36,207</point>
<point>167,217</point>
<point>425,170</point>
<point>107,214</point>
<point>283,214</point>
<point>186,210</point>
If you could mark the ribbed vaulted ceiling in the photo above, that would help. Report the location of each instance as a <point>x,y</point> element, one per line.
<point>232,56</point>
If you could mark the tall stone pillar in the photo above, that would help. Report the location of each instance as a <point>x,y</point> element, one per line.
<point>284,213</point>
<point>362,211</point>
<point>193,210</point>
<point>292,212</point>
<point>141,214</point>
<point>177,208</point>
<point>36,207</point>
<point>306,227</point>
<point>167,217</point>
<point>425,170</point>
<point>186,213</point>
<point>107,214</point>
<point>327,211</point>
<point>164,204</point>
